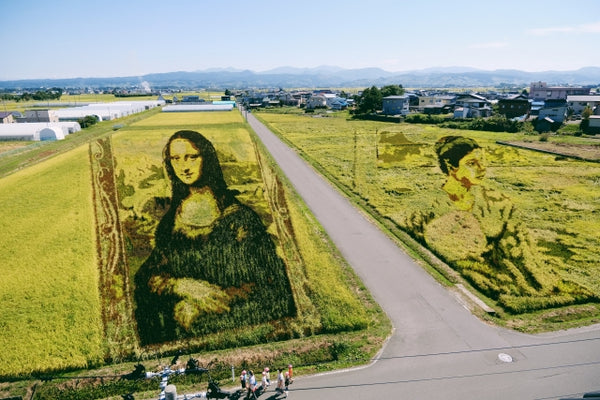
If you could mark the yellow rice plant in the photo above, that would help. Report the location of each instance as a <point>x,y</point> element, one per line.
<point>49,313</point>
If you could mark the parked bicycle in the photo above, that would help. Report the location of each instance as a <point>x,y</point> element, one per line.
<point>169,391</point>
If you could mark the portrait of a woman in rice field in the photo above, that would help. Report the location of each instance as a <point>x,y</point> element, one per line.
<point>214,266</point>
<point>474,231</point>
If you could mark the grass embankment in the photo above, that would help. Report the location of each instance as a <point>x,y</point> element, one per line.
<point>391,171</point>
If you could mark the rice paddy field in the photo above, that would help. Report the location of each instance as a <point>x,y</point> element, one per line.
<point>64,307</point>
<point>49,307</point>
<point>392,170</point>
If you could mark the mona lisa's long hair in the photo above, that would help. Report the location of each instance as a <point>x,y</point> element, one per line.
<point>211,175</point>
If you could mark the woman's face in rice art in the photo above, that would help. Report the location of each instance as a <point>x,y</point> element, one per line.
<point>471,168</point>
<point>186,160</point>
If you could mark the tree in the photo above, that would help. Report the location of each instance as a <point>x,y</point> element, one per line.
<point>370,101</point>
<point>392,90</point>
<point>584,125</point>
<point>587,111</point>
<point>88,120</point>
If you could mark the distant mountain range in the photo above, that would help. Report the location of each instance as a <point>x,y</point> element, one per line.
<point>322,77</point>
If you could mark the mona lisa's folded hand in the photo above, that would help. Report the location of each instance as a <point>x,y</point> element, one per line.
<point>161,284</point>
<point>198,298</point>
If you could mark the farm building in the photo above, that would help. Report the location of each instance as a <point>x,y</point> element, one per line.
<point>198,107</point>
<point>37,131</point>
<point>106,111</point>
<point>41,116</point>
<point>6,117</point>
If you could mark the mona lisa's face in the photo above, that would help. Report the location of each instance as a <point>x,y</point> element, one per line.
<point>186,160</point>
<point>471,168</point>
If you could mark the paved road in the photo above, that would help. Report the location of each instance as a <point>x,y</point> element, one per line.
<point>438,350</point>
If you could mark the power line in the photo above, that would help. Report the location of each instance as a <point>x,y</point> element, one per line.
<point>486,349</point>
<point>451,377</point>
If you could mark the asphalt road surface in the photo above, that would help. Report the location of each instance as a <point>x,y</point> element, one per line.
<point>438,349</point>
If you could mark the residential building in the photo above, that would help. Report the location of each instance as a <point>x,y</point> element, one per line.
<point>472,106</point>
<point>435,101</point>
<point>579,103</point>
<point>556,110</point>
<point>396,105</point>
<point>318,101</point>
<point>536,106</point>
<point>332,100</point>
<point>337,103</point>
<point>545,125</point>
<point>541,91</point>
<point>514,106</point>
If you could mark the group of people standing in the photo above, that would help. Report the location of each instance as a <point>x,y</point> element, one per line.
<point>253,389</point>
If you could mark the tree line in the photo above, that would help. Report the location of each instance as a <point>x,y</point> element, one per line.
<point>48,94</point>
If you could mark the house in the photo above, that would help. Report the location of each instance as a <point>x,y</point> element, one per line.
<point>544,124</point>
<point>514,106</point>
<point>579,103</point>
<point>536,106</point>
<point>435,101</point>
<point>555,110</point>
<point>541,91</point>
<point>318,101</point>
<point>6,117</point>
<point>472,106</point>
<point>396,105</point>
<point>337,103</point>
<point>437,109</point>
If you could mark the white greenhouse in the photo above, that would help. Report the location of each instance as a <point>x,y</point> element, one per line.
<point>107,111</point>
<point>38,130</point>
<point>197,107</point>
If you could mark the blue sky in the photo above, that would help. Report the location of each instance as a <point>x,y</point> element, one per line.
<point>106,38</point>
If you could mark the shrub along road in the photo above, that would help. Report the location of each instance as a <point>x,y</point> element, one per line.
<point>438,348</point>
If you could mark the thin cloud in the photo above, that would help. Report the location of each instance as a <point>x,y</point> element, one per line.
<point>585,28</point>
<point>488,45</point>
